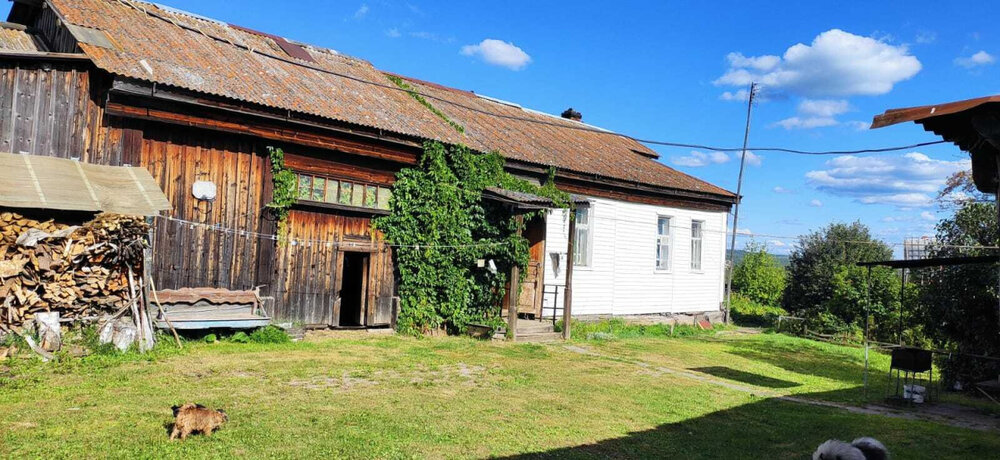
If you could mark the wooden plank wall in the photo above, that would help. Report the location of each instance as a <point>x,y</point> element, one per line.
<point>307,272</point>
<point>47,109</point>
<point>197,256</point>
<point>55,110</point>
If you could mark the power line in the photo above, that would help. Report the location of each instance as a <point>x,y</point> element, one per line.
<point>575,126</point>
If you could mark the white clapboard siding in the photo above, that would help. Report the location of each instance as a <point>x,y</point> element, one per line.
<point>622,278</point>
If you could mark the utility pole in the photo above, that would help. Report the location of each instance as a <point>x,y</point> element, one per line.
<point>736,211</point>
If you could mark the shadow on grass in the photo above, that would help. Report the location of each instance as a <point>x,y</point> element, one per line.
<point>775,429</point>
<point>803,359</point>
<point>745,377</point>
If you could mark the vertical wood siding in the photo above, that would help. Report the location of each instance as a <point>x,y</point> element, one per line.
<point>47,110</point>
<point>306,281</point>
<point>194,256</point>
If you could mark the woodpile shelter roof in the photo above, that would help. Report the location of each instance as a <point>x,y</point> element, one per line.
<point>153,43</point>
<point>31,181</point>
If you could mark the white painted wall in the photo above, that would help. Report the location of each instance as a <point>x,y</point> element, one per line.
<point>622,278</point>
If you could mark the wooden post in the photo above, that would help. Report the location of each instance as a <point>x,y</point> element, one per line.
<point>512,287</point>
<point>568,292</point>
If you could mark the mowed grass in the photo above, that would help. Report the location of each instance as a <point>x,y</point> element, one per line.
<point>400,397</point>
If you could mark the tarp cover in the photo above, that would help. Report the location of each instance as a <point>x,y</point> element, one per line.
<point>31,181</point>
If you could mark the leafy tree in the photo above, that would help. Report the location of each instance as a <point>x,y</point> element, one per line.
<point>825,285</point>
<point>759,277</point>
<point>961,301</point>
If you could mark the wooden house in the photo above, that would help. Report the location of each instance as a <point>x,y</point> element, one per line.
<point>197,102</point>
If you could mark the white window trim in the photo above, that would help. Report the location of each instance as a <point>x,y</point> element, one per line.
<point>590,247</point>
<point>691,261</point>
<point>670,243</point>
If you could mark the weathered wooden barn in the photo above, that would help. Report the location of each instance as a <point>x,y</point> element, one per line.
<point>198,102</point>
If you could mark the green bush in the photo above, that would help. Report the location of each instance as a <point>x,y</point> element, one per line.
<point>211,338</point>
<point>746,312</point>
<point>269,334</point>
<point>240,337</point>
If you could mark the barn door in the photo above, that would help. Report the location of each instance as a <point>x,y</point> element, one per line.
<point>381,290</point>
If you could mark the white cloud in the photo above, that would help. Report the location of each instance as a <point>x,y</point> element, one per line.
<point>805,123</point>
<point>909,180</point>
<point>753,159</point>
<point>836,63</point>
<point>928,216</point>
<point>740,95</point>
<point>816,204</point>
<point>926,37</point>
<point>815,113</point>
<point>780,189</point>
<point>361,12</point>
<point>744,231</point>
<point>498,52</point>
<point>393,33</point>
<point>976,60</point>
<point>776,243</point>
<point>859,125</point>
<point>698,159</point>
<point>823,107</point>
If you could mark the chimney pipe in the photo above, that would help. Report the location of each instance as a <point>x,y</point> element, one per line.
<point>571,114</point>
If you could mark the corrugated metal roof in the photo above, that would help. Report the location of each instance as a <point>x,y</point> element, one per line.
<point>174,48</point>
<point>14,37</point>
<point>34,181</point>
<point>917,114</point>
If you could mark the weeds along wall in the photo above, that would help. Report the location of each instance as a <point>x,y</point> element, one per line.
<point>442,227</point>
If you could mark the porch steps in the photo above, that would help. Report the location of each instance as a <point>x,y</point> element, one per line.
<point>534,332</point>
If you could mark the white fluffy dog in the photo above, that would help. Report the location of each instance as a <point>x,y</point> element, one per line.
<point>859,449</point>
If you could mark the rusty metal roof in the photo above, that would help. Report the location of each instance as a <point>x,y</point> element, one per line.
<point>15,37</point>
<point>548,140</point>
<point>918,114</point>
<point>158,44</point>
<point>966,124</point>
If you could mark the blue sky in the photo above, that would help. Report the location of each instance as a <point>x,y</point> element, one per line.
<point>673,71</point>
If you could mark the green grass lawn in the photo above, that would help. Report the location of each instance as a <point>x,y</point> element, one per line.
<point>401,397</point>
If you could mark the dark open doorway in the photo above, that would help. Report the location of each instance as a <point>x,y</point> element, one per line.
<point>353,289</point>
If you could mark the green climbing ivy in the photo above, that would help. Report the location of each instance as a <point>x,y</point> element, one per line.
<point>283,195</point>
<point>423,101</point>
<point>442,227</point>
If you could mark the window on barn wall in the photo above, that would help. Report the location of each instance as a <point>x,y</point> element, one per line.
<point>663,243</point>
<point>583,238</point>
<point>696,239</point>
<point>349,193</point>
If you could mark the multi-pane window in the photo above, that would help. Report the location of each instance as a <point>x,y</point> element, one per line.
<point>583,239</point>
<point>696,228</point>
<point>348,193</point>
<point>663,243</point>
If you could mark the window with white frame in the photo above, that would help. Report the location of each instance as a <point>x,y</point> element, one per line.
<point>663,243</point>
<point>696,244</point>
<point>583,239</point>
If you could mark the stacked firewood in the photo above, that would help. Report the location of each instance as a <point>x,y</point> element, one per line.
<point>79,271</point>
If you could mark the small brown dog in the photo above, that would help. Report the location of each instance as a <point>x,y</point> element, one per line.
<point>191,418</point>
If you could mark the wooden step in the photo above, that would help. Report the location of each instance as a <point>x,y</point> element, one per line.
<point>539,337</point>
<point>529,327</point>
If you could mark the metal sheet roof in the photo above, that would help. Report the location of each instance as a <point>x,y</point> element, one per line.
<point>15,37</point>
<point>169,47</point>
<point>920,113</point>
<point>960,123</point>
<point>32,181</point>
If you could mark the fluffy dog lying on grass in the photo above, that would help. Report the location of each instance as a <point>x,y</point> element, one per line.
<point>859,449</point>
<point>191,418</point>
